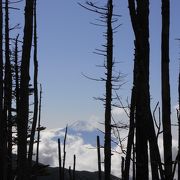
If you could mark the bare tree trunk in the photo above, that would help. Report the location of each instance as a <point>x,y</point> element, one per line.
<point>59,155</point>
<point>99,158</point>
<point>107,143</point>
<point>16,77</point>
<point>2,132</point>
<point>154,166</point>
<point>139,19</point>
<point>39,127</point>
<point>23,113</point>
<point>35,116</point>
<point>179,128</point>
<point>145,131</point>
<point>122,168</point>
<point>130,140</point>
<point>8,95</point>
<point>74,168</point>
<point>134,164</point>
<point>64,154</point>
<point>166,104</point>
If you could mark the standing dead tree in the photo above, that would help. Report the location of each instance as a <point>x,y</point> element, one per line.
<point>39,127</point>
<point>130,140</point>
<point>2,121</point>
<point>107,17</point>
<point>59,155</point>
<point>179,127</point>
<point>64,154</point>
<point>145,131</point>
<point>1,94</point>
<point>35,115</point>
<point>99,157</point>
<point>166,104</point>
<point>108,98</point>
<point>74,168</point>
<point>8,94</point>
<point>23,114</point>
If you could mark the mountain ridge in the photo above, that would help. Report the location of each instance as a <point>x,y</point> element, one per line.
<point>79,175</point>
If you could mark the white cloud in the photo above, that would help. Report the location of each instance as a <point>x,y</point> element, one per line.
<point>86,154</point>
<point>175,107</point>
<point>118,111</point>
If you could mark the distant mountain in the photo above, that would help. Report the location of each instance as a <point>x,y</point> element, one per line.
<point>84,129</point>
<point>80,175</point>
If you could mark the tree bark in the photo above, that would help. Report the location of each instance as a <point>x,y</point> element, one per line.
<point>8,95</point>
<point>39,126</point>
<point>99,158</point>
<point>35,116</point>
<point>139,13</point>
<point>107,143</point>
<point>2,132</point>
<point>23,113</point>
<point>179,128</point>
<point>130,140</point>
<point>166,104</point>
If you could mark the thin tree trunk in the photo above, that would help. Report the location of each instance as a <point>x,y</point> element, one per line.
<point>134,164</point>
<point>1,94</point>
<point>99,158</point>
<point>35,116</point>
<point>59,155</point>
<point>16,77</point>
<point>179,128</point>
<point>74,168</point>
<point>166,104</point>
<point>122,168</point>
<point>2,121</point>
<point>23,113</point>
<point>39,127</point>
<point>64,154</point>
<point>107,143</point>
<point>8,97</point>
<point>131,128</point>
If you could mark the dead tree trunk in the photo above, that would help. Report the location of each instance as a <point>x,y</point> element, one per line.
<point>179,127</point>
<point>16,76</point>
<point>59,155</point>
<point>139,17</point>
<point>35,116</point>
<point>64,154</point>
<point>99,158</point>
<point>130,140</point>
<point>108,100</point>
<point>23,113</point>
<point>2,132</point>
<point>74,168</point>
<point>8,95</point>
<point>166,104</point>
<point>139,13</point>
<point>122,168</point>
<point>39,128</point>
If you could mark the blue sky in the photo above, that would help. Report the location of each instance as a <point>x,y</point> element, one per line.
<point>66,41</point>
